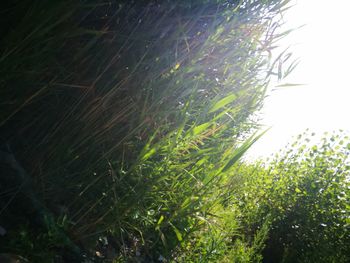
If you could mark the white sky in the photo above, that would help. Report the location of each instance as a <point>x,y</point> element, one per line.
<point>323,46</point>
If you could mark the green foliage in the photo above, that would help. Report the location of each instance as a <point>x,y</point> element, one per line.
<point>305,193</point>
<point>222,240</point>
<point>130,118</point>
<point>127,116</point>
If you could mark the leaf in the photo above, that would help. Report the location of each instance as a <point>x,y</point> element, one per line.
<point>223,102</point>
<point>289,85</point>
<point>162,237</point>
<point>186,203</point>
<point>149,154</point>
<point>291,67</point>
<point>200,128</point>
<point>160,220</point>
<point>238,153</point>
<point>147,151</point>
<point>177,232</point>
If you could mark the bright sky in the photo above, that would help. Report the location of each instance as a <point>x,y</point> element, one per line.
<point>323,46</point>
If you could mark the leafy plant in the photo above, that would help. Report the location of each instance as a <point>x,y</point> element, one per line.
<point>305,193</point>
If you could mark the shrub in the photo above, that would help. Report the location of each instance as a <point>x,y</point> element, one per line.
<point>304,192</point>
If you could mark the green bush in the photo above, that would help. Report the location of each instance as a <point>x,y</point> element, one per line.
<point>305,194</point>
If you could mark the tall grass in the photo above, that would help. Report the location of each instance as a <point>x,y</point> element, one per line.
<point>126,114</point>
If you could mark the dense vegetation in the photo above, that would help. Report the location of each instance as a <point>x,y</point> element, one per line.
<point>122,127</point>
<point>303,194</point>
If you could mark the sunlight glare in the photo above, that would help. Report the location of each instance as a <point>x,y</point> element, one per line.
<point>322,104</point>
